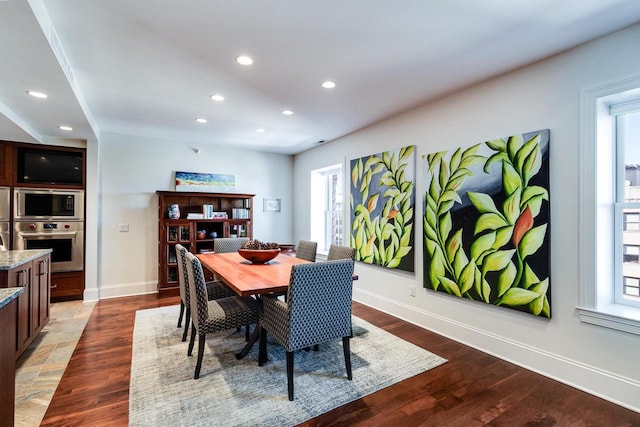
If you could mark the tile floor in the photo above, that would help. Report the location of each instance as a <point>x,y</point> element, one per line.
<point>40,368</point>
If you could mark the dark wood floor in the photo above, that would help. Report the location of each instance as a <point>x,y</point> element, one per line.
<point>472,389</point>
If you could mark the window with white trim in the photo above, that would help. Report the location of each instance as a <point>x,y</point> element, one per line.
<point>610,206</point>
<point>627,232</point>
<point>326,207</point>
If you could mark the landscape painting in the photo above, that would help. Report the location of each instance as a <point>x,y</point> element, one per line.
<point>382,208</point>
<point>486,222</point>
<point>205,182</point>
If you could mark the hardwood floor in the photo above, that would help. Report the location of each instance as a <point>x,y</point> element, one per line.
<point>472,389</point>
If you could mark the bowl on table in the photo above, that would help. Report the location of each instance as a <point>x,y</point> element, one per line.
<point>259,256</point>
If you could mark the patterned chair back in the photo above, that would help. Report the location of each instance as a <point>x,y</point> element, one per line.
<point>229,244</point>
<point>182,273</point>
<point>197,290</point>
<point>319,300</point>
<point>341,252</point>
<point>307,250</point>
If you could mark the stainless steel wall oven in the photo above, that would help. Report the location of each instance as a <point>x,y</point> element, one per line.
<point>65,238</point>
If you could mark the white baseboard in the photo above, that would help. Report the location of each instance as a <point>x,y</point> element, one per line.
<point>126,290</point>
<point>617,389</point>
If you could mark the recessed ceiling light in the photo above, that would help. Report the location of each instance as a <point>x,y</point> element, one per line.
<point>260,130</point>
<point>201,120</point>
<point>37,94</point>
<point>287,112</point>
<point>328,84</point>
<point>244,60</point>
<point>217,97</point>
<point>63,127</point>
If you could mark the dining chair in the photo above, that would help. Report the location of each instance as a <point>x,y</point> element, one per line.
<point>229,244</point>
<point>215,289</point>
<point>310,315</point>
<point>340,252</point>
<point>215,315</point>
<point>307,250</point>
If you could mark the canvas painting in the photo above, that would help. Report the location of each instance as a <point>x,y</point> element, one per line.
<point>382,208</point>
<point>205,182</point>
<point>486,222</point>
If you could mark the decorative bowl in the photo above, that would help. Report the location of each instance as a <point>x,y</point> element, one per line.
<point>259,256</point>
<point>287,247</point>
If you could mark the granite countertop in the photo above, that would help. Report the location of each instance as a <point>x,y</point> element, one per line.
<point>11,259</point>
<point>9,294</point>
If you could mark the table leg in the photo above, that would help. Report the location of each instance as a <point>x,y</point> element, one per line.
<point>255,335</point>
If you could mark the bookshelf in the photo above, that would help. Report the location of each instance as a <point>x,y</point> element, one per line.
<point>204,217</point>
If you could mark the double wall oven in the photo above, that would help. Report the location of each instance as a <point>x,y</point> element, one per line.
<point>51,218</point>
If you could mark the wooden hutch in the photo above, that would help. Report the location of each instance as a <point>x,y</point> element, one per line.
<point>233,218</point>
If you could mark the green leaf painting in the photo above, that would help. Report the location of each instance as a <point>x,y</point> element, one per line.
<point>382,208</point>
<point>486,222</point>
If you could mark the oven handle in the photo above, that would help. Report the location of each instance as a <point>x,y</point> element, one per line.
<point>58,233</point>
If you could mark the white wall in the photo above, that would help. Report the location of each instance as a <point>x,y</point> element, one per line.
<point>133,168</point>
<point>543,95</point>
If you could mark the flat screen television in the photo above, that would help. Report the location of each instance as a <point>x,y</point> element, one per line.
<point>42,166</point>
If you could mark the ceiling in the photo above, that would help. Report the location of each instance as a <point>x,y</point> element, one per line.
<point>147,67</point>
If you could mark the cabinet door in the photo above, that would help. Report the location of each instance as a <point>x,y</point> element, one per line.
<point>42,288</point>
<point>6,163</point>
<point>22,277</point>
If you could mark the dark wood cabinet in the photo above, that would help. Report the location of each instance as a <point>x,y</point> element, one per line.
<point>67,285</point>
<point>6,163</point>
<point>197,235</point>
<point>34,304</point>
<point>8,315</point>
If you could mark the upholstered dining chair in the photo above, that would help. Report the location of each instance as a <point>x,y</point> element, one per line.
<point>310,315</point>
<point>229,244</point>
<point>215,289</point>
<point>340,252</point>
<point>215,315</point>
<point>306,249</point>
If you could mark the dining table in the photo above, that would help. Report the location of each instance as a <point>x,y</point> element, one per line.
<point>248,279</point>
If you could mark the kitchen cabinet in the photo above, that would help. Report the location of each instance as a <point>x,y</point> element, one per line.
<point>8,316</point>
<point>29,270</point>
<point>234,219</point>
<point>67,285</point>
<point>6,162</point>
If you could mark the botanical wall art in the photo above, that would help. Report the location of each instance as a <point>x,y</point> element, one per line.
<point>486,222</point>
<point>382,206</point>
<point>205,182</point>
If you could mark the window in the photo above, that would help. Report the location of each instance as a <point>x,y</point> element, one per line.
<point>326,207</point>
<point>627,205</point>
<point>610,206</point>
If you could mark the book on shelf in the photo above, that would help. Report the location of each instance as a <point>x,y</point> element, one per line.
<point>207,211</point>
<point>192,215</point>
<point>219,215</point>
<point>240,213</point>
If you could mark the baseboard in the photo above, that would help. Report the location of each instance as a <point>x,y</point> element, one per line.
<point>127,290</point>
<point>612,387</point>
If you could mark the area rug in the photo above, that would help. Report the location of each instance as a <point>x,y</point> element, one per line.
<point>234,392</point>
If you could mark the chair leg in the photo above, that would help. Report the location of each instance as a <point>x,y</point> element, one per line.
<point>192,340</point>
<point>181,314</point>
<point>315,347</point>
<point>346,347</point>
<point>262,346</point>
<point>186,325</point>
<point>290,374</point>
<point>201,342</point>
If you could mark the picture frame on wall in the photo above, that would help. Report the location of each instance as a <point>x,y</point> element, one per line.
<point>271,205</point>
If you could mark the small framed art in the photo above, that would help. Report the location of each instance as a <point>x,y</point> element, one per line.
<point>271,205</point>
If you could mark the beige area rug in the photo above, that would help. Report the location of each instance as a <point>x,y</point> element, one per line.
<point>234,392</point>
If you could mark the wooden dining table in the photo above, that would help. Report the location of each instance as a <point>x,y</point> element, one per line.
<point>247,279</point>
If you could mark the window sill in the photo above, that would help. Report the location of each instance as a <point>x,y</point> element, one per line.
<point>614,316</point>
